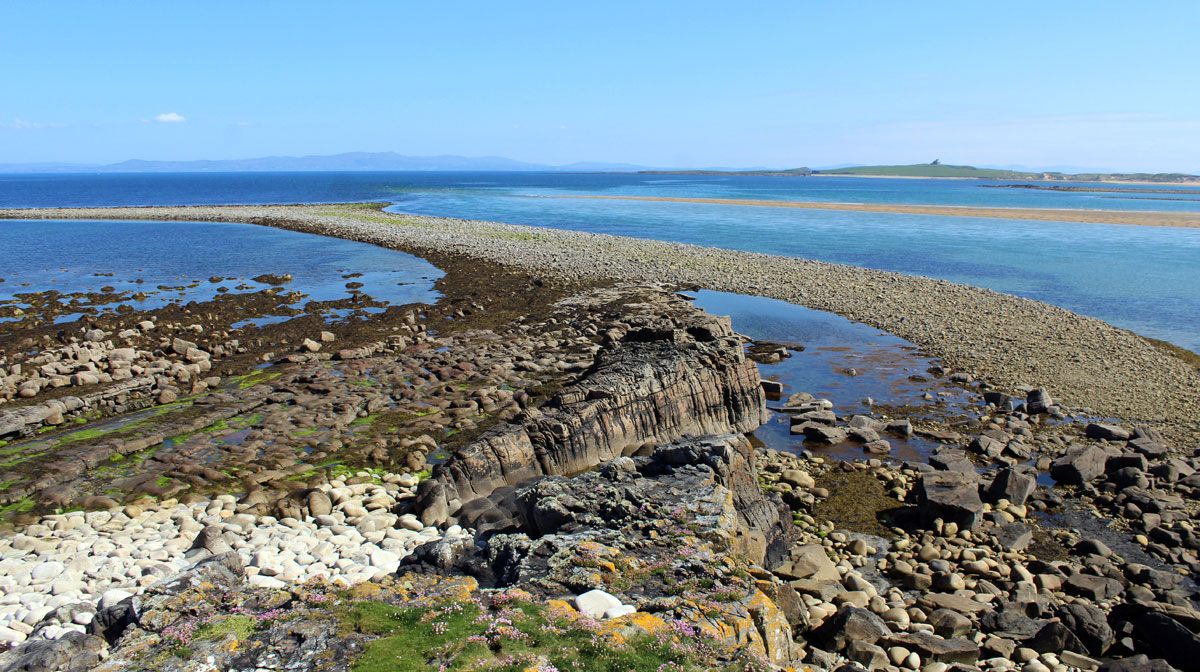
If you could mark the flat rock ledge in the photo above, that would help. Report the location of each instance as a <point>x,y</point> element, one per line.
<point>1005,340</point>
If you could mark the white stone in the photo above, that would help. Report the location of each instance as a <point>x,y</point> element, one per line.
<point>113,597</point>
<point>594,603</point>
<point>10,636</point>
<point>386,561</point>
<point>619,611</point>
<point>47,571</point>
<point>261,581</point>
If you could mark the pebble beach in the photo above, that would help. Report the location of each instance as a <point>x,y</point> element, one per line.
<point>1005,340</point>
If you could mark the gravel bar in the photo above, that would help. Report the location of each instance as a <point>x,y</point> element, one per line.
<point>1005,340</point>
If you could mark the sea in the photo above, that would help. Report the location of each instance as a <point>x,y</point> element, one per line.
<point>1145,279</point>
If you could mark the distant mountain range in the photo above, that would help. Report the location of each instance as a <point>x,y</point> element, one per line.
<point>336,162</point>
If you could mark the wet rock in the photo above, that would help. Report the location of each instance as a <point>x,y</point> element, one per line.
<point>823,434</point>
<point>952,460</point>
<point>879,447</point>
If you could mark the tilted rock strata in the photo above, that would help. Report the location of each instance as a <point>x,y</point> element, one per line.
<point>651,388</point>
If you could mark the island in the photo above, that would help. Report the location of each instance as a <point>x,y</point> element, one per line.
<point>937,169</point>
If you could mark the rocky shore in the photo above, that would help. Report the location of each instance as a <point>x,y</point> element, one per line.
<point>1004,340</point>
<point>551,469</point>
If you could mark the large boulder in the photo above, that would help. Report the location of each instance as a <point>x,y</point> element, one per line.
<point>1105,432</point>
<point>1012,485</point>
<point>808,562</point>
<point>1169,639</point>
<point>952,496</point>
<point>850,624</point>
<point>1079,466</point>
<point>1089,624</point>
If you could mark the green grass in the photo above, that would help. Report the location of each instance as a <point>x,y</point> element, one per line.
<point>461,636</point>
<point>240,626</point>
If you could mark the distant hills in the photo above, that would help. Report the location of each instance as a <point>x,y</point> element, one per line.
<point>350,161</point>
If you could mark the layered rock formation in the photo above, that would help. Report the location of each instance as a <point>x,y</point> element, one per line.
<point>653,384</point>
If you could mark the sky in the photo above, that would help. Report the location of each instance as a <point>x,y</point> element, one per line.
<point>1094,85</point>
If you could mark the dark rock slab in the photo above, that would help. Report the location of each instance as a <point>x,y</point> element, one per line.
<point>847,625</point>
<point>936,649</point>
<point>1079,466</point>
<point>952,496</point>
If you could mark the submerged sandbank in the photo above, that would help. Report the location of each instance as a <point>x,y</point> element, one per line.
<point>1187,220</point>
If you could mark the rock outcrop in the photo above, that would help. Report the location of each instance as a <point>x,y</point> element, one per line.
<point>659,532</point>
<point>651,385</point>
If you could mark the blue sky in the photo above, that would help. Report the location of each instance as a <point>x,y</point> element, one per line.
<point>1106,85</point>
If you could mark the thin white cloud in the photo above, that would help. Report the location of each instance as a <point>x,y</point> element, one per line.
<point>24,125</point>
<point>241,123</point>
<point>170,118</point>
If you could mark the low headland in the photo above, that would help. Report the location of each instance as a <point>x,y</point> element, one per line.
<point>550,468</point>
<point>937,170</point>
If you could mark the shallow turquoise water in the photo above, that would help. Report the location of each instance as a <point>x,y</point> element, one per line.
<point>1146,279</point>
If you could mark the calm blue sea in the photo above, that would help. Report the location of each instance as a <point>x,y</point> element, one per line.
<point>1146,279</point>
